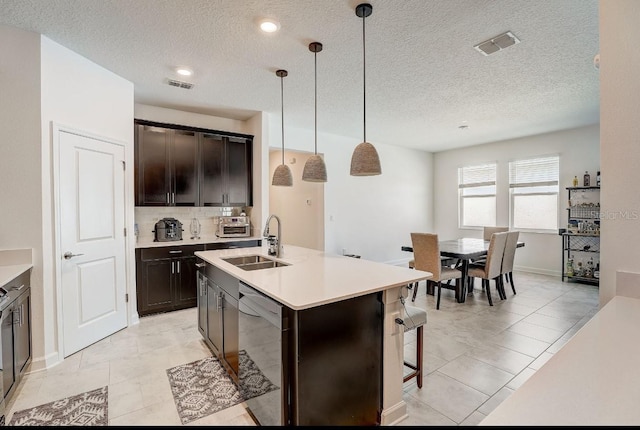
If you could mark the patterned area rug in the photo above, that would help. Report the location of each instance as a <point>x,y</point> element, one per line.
<point>86,409</point>
<point>203,387</point>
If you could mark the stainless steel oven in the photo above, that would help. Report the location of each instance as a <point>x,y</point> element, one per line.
<point>260,332</point>
<point>234,226</point>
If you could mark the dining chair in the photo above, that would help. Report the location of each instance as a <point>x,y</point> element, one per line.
<point>509,256</point>
<point>486,235</point>
<point>488,231</point>
<point>426,254</point>
<point>492,269</point>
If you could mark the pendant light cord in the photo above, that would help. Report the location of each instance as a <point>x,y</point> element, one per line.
<point>315,68</point>
<point>364,80</point>
<point>282,112</point>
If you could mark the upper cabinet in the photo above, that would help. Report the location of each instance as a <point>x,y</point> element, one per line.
<point>226,171</point>
<point>167,167</point>
<point>183,166</point>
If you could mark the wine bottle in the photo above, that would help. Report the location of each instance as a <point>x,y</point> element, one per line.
<point>598,179</point>
<point>587,179</point>
<point>575,181</point>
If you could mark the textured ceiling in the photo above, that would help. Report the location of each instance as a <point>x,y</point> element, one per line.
<point>424,78</point>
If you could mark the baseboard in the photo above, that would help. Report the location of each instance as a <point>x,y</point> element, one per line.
<point>537,271</point>
<point>394,415</point>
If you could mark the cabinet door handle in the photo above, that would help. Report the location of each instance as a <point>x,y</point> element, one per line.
<point>219,302</point>
<point>175,251</point>
<point>173,198</point>
<point>172,267</point>
<point>178,266</point>
<point>168,201</point>
<point>201,265</point>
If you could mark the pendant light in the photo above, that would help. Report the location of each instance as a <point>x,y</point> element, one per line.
<point>315,169</point>
<point>282,176</point>
<point>365,160</point>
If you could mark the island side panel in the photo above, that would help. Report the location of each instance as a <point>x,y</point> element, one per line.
<point>339,363</point>
<point>394,408</point>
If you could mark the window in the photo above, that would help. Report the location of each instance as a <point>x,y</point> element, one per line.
<point>477,191</point>
<point>533,185</point>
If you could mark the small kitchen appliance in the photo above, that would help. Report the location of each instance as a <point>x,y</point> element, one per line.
<point>168,229</point>
<point>234,226</point>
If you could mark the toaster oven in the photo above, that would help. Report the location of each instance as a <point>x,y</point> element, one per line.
<point>234,226</point>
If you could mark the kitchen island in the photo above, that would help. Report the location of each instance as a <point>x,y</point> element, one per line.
<point>337,349</point>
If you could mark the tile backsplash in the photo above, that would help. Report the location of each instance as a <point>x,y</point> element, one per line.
<point>146,217</point>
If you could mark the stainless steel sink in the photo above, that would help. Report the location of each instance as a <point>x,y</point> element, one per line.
<point>254,262</point>
<point>262,265</point>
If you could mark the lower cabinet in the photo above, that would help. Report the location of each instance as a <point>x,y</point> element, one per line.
<point>166,276</point>
<point>15,327</point>
<point>218,315</point>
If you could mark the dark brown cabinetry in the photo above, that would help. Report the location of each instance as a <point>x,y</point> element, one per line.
<point>185,166</point>
<point>218,315</point>
<point>226,171</point>
<point>166,276</point>
<point>167,166</point>
<point>15,327</point>
<point>326,360</point>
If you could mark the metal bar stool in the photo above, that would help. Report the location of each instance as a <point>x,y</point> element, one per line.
<point>414,318</point>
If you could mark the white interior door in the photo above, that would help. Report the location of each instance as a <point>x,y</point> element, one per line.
<point>92,243</point>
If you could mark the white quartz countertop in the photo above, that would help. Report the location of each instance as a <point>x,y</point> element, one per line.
<point>147,241</point>
<point>314,277</point>
<point>594,380</point>
<point>13,263</point>
<point>8,273</point>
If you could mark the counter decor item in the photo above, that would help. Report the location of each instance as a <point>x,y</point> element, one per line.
<point>195,228</point>
<point>587,179</point>
<point>575,181</point>
<point>598,179</point>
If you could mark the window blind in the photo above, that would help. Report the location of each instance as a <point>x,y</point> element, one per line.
<point>477,176</point>
<point>534,172</point>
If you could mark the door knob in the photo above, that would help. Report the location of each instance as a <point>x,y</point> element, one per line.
<point>68,255</point>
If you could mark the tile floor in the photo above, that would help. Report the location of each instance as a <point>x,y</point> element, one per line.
<point>475,357</point>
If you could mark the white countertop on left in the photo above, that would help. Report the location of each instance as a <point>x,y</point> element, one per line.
<point>593,380</point>
<point>314,277</point>
<point>13,263</point>
<point>147,241</point>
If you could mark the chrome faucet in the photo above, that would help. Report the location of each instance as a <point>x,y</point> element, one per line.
<point>274,241</point>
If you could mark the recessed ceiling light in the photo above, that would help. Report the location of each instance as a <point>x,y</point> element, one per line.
<point>184,71</point>
<point>269,25</point>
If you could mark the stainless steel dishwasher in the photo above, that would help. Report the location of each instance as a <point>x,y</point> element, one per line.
<point>260,330</point>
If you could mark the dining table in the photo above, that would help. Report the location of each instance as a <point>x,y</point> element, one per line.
<point>461,252</point>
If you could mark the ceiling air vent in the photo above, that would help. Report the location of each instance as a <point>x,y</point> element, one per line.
<point>497,43</point>
<point>180,84</point>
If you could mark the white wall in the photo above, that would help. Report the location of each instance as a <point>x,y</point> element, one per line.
<point>20,159</point>
<point>371,216</point>
<point>173,116</point>
<point>300,207</point>
<point>620,140</point>
<point>79,94</point>
<point>579,150</point>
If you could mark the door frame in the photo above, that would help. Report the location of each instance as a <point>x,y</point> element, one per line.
<point>56,129</point>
